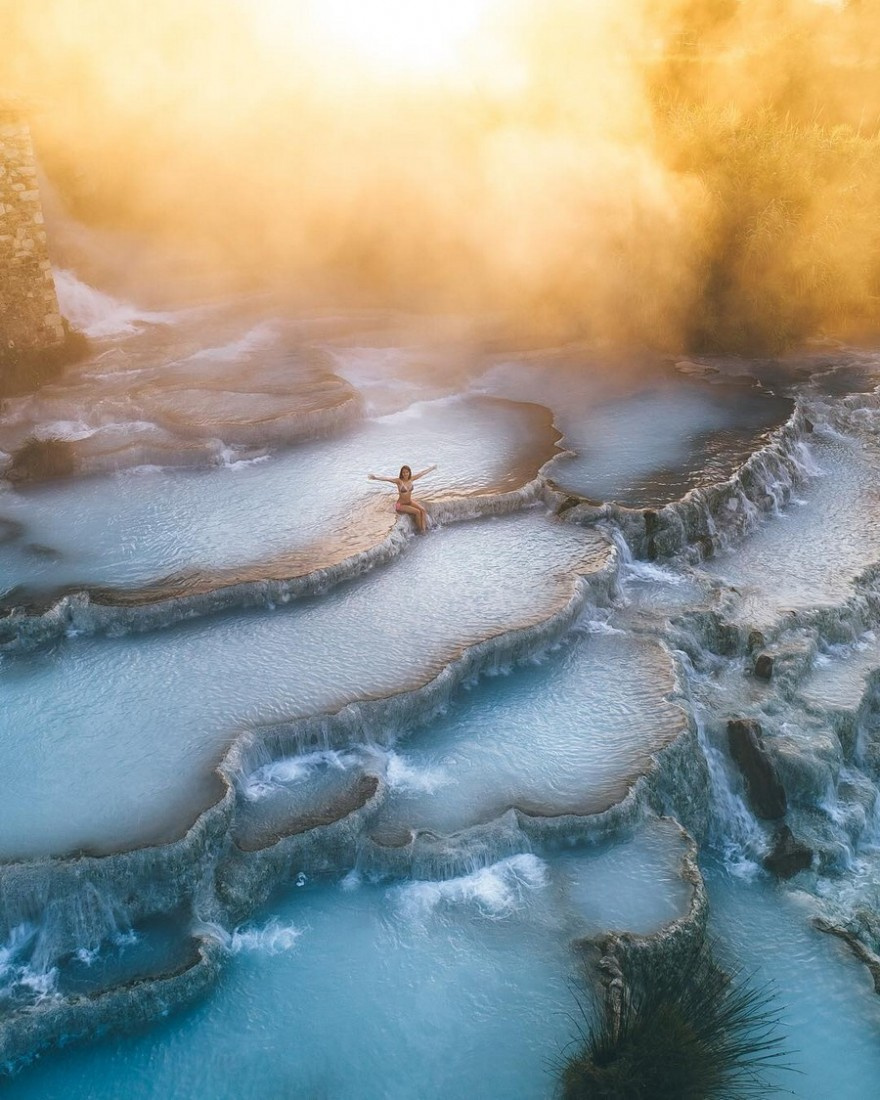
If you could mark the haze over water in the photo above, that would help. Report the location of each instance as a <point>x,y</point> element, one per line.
<point>300,803</point>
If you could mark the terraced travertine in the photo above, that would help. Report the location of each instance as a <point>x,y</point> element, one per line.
<point>642,436</point>
<point>305,510</point>
<point>809,555</point>
<point>128,731</point>
<point>839,678</point>
<point>567,736</point>
<point>463,984</point>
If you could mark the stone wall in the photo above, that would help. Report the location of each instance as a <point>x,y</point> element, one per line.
<point>30,320</point>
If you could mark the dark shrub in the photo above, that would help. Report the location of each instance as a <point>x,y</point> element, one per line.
<point>691,1033</point>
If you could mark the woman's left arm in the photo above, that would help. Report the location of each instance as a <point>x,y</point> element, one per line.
<point>422,473</point>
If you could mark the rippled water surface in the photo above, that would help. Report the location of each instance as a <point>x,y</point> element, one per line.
<point>461,987</point>
<point>433,856</point>
<point>828,1010</point>
<point>808,555</point>
<point>127,731</point>
<point>565,736</point>
<point>649,438</point>
<point>140,525</point>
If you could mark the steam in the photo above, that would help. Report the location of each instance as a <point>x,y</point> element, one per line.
<point>668,172</point>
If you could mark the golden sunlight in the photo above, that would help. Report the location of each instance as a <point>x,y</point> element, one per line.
<point>414,37</point>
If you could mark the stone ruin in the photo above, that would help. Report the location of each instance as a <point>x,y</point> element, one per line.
<point>31,326</point>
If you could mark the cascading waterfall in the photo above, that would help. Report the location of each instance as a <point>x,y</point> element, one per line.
<point>487,813</point>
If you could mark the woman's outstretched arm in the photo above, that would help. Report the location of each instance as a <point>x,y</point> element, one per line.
<point>378,477</point>
<point>422,473</point>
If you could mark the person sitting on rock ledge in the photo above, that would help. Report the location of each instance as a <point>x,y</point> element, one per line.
<point>405,502</point>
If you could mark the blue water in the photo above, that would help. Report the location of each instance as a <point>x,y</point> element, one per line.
<point>828,1011</point>
<point>347,985</point>
<point>566,736</point>
<point>809,555</point>
<point>312,505</point>
<point>128,731</point>
<point>463,987</point>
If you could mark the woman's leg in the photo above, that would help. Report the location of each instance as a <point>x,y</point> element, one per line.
<point>416,513</point>
<point>423,515</point>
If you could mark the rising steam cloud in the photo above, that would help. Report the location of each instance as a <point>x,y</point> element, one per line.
<point>665,172</point>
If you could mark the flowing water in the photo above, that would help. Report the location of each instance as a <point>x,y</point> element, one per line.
<point>308,507</point>
<point>353,809</point>
<point>142,722</point>
<point>563,736</point>
<point>829,1011</point>
<point>464,986</point>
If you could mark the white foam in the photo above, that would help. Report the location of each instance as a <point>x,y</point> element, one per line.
<point>401,775</point>
<point>271,939</point>
<point>100,315</point>
<point>646,571</point>
<point>495,891</point>
<point>16,973</point>
<point>292,769</point>
<point>68,430</point>
<point>230,460</point>
<point>597,626</point>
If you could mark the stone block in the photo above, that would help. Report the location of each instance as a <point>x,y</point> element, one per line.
<point>765,792</point>
<point>30,320</point>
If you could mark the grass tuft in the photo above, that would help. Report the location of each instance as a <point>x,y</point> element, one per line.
<point>690,1033</point>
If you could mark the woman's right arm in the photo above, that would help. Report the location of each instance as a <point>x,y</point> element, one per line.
<point>377,477</point>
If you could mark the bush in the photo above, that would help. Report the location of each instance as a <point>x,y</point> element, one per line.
<point>41,460</point>
<point>688,1034</point>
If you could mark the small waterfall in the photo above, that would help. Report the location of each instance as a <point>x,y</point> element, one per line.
<point>493,891</point>
<point>733,830</point>
<point>100,315</point>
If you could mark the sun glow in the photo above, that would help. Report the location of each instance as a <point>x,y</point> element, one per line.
<point>416,37</point>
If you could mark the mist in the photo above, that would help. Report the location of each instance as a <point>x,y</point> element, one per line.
<point>676,175</point>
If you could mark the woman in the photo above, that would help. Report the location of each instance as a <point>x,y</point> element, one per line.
<point>405,502</point>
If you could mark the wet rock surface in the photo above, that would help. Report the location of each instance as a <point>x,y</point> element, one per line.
<point>765,791</point>
<point>764,663</point>
<point>788,855</point>
<point>382,837</point>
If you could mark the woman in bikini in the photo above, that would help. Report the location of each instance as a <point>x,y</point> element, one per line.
<point>405,502</point>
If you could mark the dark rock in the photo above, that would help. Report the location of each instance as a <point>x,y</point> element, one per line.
<point>10,530</point>
<point>808,425</point>
<point>42,459</point>
<point>706,546</point>
<point>756,640</point>
<point>43,551</point>
<point>789,855</point>
<point>652,525</point>
<point>568,504</point>
<point>765,792</point>
<point>23,371</point>
<point>763,666</point>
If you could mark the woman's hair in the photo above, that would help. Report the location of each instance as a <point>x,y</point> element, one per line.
<point>406,476</point>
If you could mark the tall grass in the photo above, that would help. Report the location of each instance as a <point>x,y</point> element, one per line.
<point>688,1033</point>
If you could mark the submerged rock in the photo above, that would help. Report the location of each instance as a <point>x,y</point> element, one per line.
<point>763,666</point>
<point>765,792</point>
<point>41,460</point>
<point>788,855</point>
